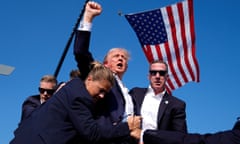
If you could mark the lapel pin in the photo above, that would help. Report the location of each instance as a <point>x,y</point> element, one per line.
<point>166,102</point>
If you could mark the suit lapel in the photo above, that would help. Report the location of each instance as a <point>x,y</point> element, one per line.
<point>163,105</point>
<point>117,103</point>
<point>118,93</point>
<point>141,95</point>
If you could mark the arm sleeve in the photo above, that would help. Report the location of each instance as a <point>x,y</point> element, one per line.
<point>161,137</point>
<point>89,129</point>
<point>28,106</point>
<point>179,118</point>
<point>81,52</point>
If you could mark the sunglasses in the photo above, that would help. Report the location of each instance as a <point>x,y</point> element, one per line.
<point>49,91</point>
<point>154,72</point>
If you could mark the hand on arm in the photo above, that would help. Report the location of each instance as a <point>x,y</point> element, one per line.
<point>134,122</point>
<point>136,133</point>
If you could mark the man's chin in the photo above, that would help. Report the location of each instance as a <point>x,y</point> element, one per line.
<point>120,70</point>
<point>157,86</point>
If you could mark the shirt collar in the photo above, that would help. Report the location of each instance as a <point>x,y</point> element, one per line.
<point>160,95</point>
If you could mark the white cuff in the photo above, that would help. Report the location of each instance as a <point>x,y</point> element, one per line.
<point>141,138</point>
<point>85,26</point>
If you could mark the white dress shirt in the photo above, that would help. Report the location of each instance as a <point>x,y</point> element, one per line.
<point>149,109</point>
<point>127,98</point>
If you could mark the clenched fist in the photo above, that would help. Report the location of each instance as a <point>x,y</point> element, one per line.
<point>92,9</point>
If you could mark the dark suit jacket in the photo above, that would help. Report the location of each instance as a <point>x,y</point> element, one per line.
<point>171,112</point>
<point>109,110</point>
<point>65,117</point>
<point>30,104</point>
<point>173,137</point>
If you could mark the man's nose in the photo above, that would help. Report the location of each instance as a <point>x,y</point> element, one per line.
<point>157,74</point>
<point>45,93</point>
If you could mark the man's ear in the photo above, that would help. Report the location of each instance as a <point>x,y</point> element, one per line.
<point>149,77</point>
<point>88,81</point>
<point>89,78</point>
<point>105,63</point>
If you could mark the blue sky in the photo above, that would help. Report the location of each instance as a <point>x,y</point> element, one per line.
<point>33,35</point>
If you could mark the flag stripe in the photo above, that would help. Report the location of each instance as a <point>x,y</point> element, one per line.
<point>173,75</point>
<point>159,53</point>
<point>194,60</point>
<point>173,44</point>
<point>183,42</point>
<point>172,14</point>
<point>148,52</point>
<point>184,22</point>
<point>188,48</point>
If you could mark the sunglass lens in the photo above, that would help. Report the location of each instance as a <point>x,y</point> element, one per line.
<point>154,72</point>
<point>49,91</point>
<point>162,73</point>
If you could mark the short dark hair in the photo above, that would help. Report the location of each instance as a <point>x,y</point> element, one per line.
<point>159,61</point>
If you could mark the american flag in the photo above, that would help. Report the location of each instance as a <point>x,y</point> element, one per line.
<point>168,34</point>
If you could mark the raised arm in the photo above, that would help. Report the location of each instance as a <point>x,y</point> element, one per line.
<point>82,54</point>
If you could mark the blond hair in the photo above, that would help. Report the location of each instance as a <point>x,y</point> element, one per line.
<point>49,78</point>
<point>99,72</point>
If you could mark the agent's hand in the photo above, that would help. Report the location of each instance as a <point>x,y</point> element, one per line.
<point>134,122</point>
<point>92,9</point>
<point>136,133</point>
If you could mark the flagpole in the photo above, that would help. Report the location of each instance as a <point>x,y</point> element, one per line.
<point>69,41</point>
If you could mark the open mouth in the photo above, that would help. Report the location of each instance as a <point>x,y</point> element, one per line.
<point>119,65</point>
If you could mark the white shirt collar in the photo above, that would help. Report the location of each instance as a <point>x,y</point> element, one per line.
<point>160,95</point>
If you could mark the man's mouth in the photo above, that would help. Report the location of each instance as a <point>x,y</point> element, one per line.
<point>157,82</point>
<point>119,65</point>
